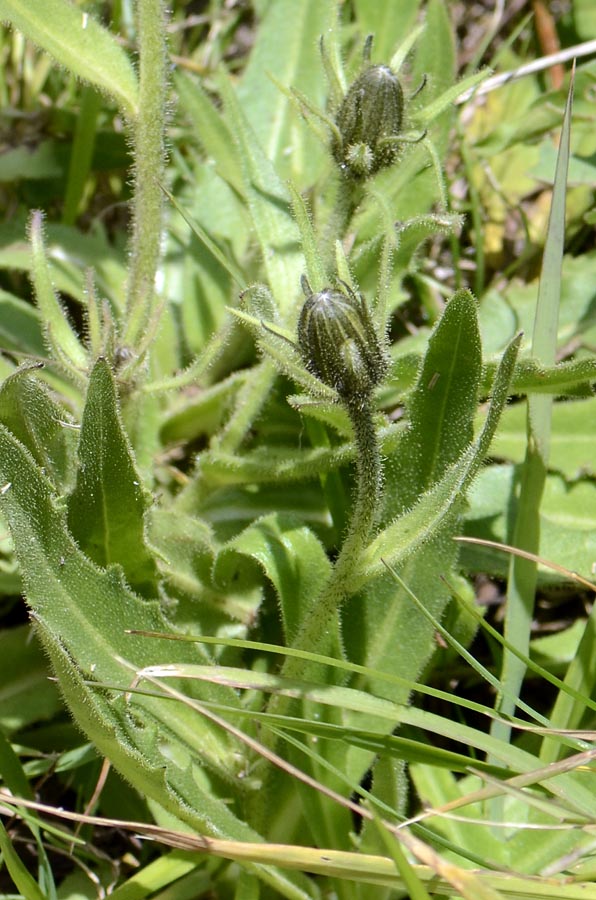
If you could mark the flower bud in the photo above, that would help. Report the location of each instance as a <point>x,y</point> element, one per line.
<point>339,344</point>
<point>369,116</point>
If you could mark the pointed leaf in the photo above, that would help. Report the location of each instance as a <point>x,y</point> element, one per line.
<point>416,527</point>
<point>82,614</point>
<point>442,406</point>
<point>106,508</point>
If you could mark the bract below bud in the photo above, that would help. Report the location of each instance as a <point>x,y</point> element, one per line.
<point>369,120</point>
<point>339,344</point>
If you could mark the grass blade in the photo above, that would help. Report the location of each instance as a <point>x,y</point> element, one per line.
<point>523,572</point>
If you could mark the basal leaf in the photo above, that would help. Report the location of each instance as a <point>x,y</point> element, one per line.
<point>82,614</point>
<point>82,609</point>
<point>106,508</point>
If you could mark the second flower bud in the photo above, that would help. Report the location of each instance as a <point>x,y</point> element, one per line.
<point>339,344</point>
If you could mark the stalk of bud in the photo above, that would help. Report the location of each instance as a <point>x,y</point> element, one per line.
<point>368,122</point>
<point>339,345</point>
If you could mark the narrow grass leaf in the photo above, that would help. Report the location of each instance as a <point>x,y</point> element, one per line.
<point>413,884</point>
<point>523,572</point>
<point>570,708</point>
<point>81,156</point>
<point>15,779</point>
<point>159,875</point>
<point>24,882</point>
<point>208,243</point>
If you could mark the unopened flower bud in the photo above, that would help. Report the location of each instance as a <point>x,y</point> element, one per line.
<point>368,120</point>
<point>339,344</point>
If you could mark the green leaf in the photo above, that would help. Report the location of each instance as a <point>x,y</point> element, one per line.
<point>411,530</point>
<point>388,22</point>
<point>107,506</point>
<point>20,326</point>
<point>69,253</point>
<point>269,206</point>
<point>567,524</point>
<point>79,43</point>
<point>442,407</point>
<point>60,334</point>
<point>82,614</point>
<point>291,557</point>
<point>26,693</point>
<point>441,412</point>
<point>47,430</point>
<point>194,417</point>
<point>17,869</point>
<point>287,47</point>
<point>572,438</point>
<point>210,129</point>
<point>81,159</point>
<point>577,315</point>
<point>435,53</point>
<point>311,244</point>
<point>186,547</point>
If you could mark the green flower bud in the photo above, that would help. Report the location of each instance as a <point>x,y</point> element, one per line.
<point>339,344</point>
<point>368,122</point>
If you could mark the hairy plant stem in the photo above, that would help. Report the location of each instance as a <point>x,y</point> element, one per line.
<point>320,629</point>
<point>149,154</point>
<point>348,197</point>
<point>320,626</point>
